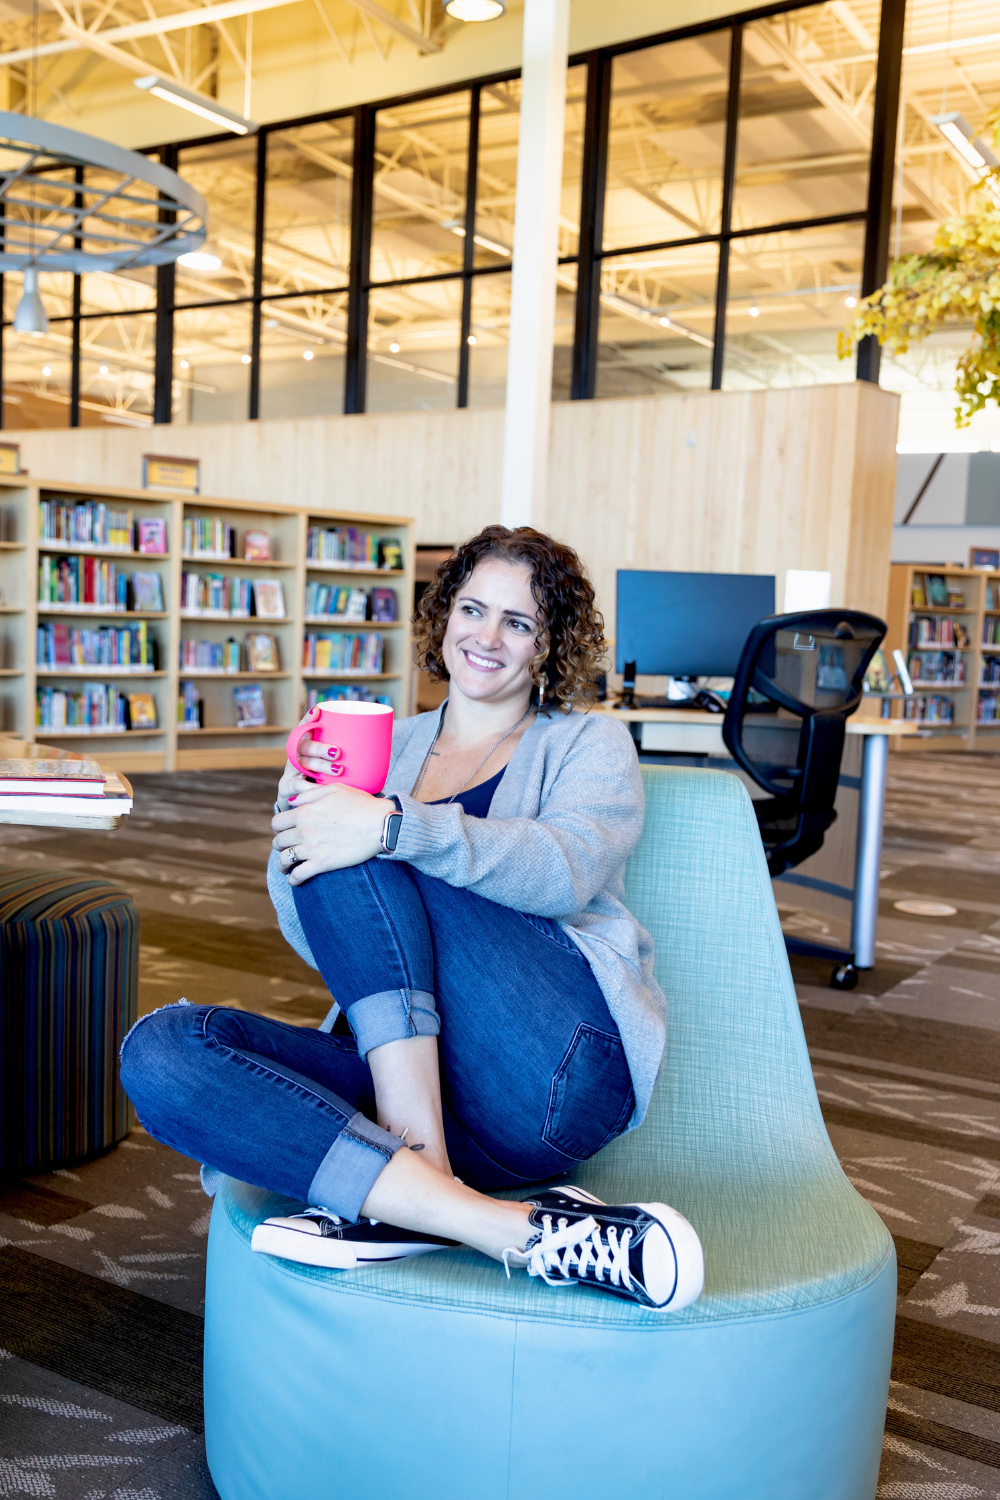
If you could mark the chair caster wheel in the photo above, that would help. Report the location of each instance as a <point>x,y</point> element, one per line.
<point>844,977</point>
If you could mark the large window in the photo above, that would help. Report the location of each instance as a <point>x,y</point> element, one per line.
<point>715,226</point>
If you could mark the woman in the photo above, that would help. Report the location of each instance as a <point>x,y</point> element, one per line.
<point>497,1019</point>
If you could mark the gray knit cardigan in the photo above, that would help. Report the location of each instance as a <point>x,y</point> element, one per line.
<point>563,821</point>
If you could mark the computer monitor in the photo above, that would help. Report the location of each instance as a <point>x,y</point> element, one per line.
<point>688,624</point>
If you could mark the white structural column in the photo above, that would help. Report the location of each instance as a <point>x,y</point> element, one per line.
<point>536,252</point>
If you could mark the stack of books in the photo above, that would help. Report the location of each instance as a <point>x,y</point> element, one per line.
<point>61,789</point>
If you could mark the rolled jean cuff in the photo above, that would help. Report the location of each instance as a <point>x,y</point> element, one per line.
<point>392,1016</point>
<point>349,1170</point>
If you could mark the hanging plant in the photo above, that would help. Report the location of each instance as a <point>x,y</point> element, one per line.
<point>957,281</point>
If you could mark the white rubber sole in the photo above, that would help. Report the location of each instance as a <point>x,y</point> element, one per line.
<point>332,1254</point>
<point>673,1262</point>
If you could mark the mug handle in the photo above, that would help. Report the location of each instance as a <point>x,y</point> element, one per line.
<point>292,744</point>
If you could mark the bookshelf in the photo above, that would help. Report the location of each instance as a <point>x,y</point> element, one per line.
<point>953,654</point>
<point>216,742</point>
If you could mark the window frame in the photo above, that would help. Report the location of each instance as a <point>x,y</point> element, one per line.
<point>590,251</point>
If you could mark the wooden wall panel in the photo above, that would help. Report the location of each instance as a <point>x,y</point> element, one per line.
<point>757,481</point>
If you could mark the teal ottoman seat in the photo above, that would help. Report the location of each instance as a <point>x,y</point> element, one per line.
<point>438,1379</point>
<point>69,967</point>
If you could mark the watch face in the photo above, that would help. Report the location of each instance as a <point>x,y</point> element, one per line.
<point>391,834</point>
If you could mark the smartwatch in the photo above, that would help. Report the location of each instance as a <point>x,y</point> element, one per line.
<point>391,826</point>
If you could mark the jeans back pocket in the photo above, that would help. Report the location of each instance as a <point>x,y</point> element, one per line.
<point>591,1099</point>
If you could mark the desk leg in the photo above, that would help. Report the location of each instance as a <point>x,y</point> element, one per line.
<point>871,805</point>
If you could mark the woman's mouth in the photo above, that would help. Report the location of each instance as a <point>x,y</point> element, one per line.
<point>481,663</point>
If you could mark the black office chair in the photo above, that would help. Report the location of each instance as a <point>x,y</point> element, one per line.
<point>798,682</point>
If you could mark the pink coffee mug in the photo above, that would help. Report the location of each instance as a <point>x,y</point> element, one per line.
<point>360,740</point>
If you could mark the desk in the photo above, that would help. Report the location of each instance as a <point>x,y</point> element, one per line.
<point>690,732</point>
<point>104,817</point>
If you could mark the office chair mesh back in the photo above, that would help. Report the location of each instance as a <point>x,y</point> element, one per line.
<point>799,680</point>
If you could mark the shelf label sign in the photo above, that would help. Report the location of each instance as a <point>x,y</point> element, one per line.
<point>163,473</point>
<point>10,458</point>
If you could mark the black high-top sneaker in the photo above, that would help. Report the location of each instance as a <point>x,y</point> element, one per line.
<point>647,1253</point>
<point>317,1237</point>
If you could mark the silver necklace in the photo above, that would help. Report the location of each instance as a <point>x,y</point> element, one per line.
<point>427,758</point>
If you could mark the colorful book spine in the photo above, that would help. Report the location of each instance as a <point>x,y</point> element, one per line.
<point>95,707</point>
<point>63,646</point>
<point>344,653</point>
<point>208,534</point>
<point>90,523</point>
<point>82,580</point>
<point>210,656</point>
<point>212,593</point>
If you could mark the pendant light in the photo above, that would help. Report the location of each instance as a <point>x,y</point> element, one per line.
<point>31,316</point>
<point>476,10</point>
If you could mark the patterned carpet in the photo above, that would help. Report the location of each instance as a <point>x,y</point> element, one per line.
<point>101,1267</point>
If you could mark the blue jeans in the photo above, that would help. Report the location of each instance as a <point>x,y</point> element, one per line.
<point>533,1072</point>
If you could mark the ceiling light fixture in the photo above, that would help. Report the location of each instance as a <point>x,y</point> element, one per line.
<point>475,10</point>
<point>199,260</point>
<point>754,309</point>
<point>31,316</point>
<point>850,301</point>
<point>46,369</point>
<point>393,348</point>
<point>471,339</point>
<point>185,365</point>
<point>664,322</point>
<point>245,359</point>
<point>198,104</point>
<point>102,370</point>
<point>956,129</point>
<point>307,354</point>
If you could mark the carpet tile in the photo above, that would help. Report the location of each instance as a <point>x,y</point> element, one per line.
<point>99,1393</point>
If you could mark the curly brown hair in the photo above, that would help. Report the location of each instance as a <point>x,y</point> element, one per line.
<point>571,645</point>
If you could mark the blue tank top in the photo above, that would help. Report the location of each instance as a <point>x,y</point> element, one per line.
<point>476,801</point>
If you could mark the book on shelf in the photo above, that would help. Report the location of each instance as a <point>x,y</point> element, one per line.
<point>151,534</point>
<point>249,703</point>
<point>89,523</point>
<point>339,601</point>
<point>937,590</point>
<point>190,707</point>
<point>147,592</point>
<point>269,599</point>
<point>878,677</point>
<point>209,535</point>
<point>962,637</point>
<point>339,694</point>
<point>384,606</point>
<point>984,557</point>
<point>992,594</point>
<point>257,546</point>
<point>142,711</point>
<point>81,580</point>
<point>93,708</point>
<point>831,674</point>
<point>347,652</point>
<point>262,652</point>
<point>52,778</point>
<point>918,593</point>
<point>956,597</point>
<point>128,647</point>
<point>390,554</point>
<point>216,594</point>
<point>210,656</point>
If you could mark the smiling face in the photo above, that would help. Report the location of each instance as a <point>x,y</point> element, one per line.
<point>492,634</point>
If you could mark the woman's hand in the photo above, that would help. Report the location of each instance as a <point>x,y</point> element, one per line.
<point>329,828</point>
<point>314,757</point>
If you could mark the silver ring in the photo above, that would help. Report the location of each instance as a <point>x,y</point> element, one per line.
<point>293,855</point>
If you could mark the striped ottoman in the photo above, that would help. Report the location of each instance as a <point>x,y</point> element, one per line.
<point>69,960</point>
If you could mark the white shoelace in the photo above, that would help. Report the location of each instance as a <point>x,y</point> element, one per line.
<point>576,1246</point>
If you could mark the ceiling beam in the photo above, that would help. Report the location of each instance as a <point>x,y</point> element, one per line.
<point>203,16</point>
<point>393,23</point>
